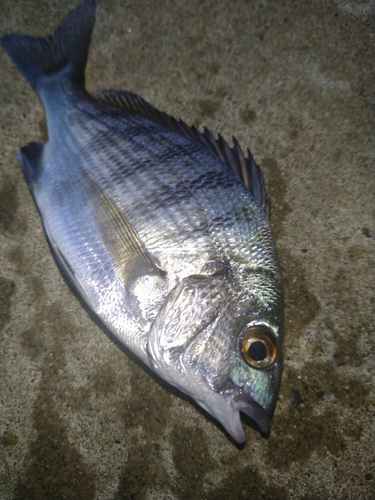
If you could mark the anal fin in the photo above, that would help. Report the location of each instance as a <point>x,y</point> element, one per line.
<point>30,159</point>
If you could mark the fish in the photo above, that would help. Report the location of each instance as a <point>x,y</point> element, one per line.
<point>162,231</point>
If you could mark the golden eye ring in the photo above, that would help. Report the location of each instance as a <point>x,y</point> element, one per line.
<point>258,346</point>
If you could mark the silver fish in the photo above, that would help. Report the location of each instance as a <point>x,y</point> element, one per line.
<point>162,230</point>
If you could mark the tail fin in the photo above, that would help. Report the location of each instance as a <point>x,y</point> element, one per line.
<point>67,48</point>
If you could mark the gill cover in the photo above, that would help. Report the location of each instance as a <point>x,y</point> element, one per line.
<point>184,349</point>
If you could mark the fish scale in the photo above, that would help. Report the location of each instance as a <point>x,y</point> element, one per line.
<point>145,211</point>
<point>192,219</point>
<point>162,231</point>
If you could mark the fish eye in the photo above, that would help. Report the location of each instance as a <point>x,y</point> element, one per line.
<point>258,346</point>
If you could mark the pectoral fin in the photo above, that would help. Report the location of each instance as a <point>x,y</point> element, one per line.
<point>130,259</point>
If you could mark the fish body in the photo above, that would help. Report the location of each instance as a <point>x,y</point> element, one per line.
<point>161,229</point>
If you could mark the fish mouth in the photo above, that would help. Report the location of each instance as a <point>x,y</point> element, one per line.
<point>253,410</point>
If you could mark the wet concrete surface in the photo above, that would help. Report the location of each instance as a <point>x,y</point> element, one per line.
<point>294,81</point>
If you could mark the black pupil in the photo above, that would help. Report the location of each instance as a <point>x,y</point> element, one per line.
<point>257,351</point>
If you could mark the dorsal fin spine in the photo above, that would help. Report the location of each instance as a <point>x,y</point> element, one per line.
<point>243,167</point>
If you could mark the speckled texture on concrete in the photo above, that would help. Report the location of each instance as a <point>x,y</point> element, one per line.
<point>294,81</point>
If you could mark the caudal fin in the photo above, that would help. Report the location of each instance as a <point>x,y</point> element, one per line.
<point>66,49</point>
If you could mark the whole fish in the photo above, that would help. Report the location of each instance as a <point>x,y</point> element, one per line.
<point>162,230</point>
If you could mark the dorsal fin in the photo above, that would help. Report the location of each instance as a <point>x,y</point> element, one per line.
<point>245,168</point>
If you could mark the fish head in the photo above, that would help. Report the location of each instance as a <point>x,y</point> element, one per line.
<point>222,345</point>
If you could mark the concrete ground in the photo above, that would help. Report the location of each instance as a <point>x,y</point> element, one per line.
<point>294,81</point>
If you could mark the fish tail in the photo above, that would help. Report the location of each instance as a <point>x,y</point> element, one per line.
<point>64,51</point>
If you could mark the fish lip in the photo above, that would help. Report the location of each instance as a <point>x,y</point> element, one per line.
<point>254,410</point>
